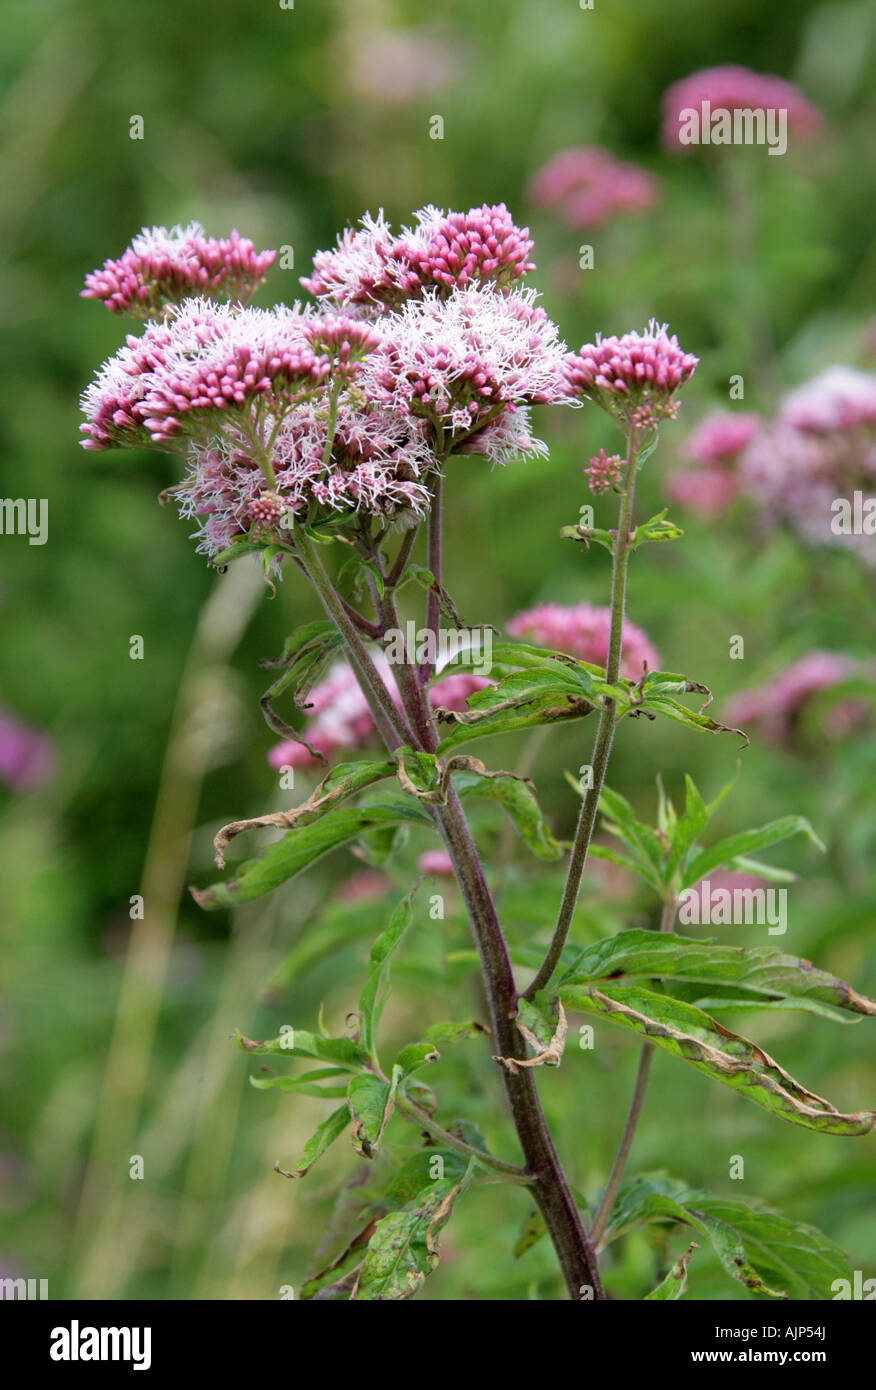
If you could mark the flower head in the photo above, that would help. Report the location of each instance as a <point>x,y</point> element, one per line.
<point>603,471</point>
<point>584,632</point>
<point>162,267</point>
<point>734,88</point>
<point>467,363</point>
<point>633,377</point>
<point>720,437</point>
<point>588,186</point>
<point>372,269</point>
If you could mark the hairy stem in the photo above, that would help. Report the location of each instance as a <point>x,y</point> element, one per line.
<point>604,732</point>
<point>626,1143</point>
<point>435,550</point>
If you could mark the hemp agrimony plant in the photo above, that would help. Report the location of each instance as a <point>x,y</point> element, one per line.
<point>319,438</point>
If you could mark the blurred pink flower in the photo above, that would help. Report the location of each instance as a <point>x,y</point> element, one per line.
<point>27,756</point>
<point>396,67</point>
<point>365,886</point>
<point>341,720</point>
<point>707,493</point>
<point>583,631</point>
<point>773,709</point>
<point>588,186</point>
<point>733,88</point>
<point>721,436</point>
<point>436,861</point>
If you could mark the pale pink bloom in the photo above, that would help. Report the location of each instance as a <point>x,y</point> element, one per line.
<point>632,377</point>
<point>707,493</point>
<point>162,267</point>
<point>721,436</point>
<point>199,363</point>
<point>839,398</point>
<point>732,88</point>
<point>467,364</point>
<point>437,862</point>
<point>821,448</point>
<point>583,631</point>
<point>774,708</point>
<point>588,186</point>
<point>27,756</point>
<point>372,269</point>
<point>396,66</point>
<point>603,471</point>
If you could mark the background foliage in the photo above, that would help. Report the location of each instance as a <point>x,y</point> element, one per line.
<point>116,1034</point>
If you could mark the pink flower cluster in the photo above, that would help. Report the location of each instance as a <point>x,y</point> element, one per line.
<point>820,450</point>
<point>583,631</point>
<point>603,471</point>
<point>375,464</point>
<point>715,445</point>
<point>632,377</point>
<point>375,270</point>
<point>586,187</point>
<point>775,709</point>
<point>161,267</point>
<point>733,88</point>
<point>200,362</point>
<point>341,720</point>
<point>470,365</point>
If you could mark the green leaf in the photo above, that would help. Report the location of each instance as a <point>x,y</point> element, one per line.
<point>316,1146</point>
<point>673,1284</point>
<point>441,1033</point>
<point>747,842</point>
<point>307,1084</point>
<point>404,1247</point>
<point>755,1244</point>
<point>417,1055</point>
<point>371,1103</point>
<point>675,710</point>
<point>306,844</point>
<point>657,529</point>
<point>759,969</point>
<point>376,990</point>
<point>297,1042</point>
<point>518,800</point>
<point>531,1232</point>
<point>695,1037</point>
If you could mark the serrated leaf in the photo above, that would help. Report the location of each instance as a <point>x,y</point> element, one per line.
<point>306,844</point>
<point>759,969</point>
<point>519,801</point>
<point>404,1247</point>
<point>318,1143</point>
<point>695,1037</point>
<point>371,1102</point>
<point>753,1242</point>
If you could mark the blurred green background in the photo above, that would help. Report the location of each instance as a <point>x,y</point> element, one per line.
<point>115,1034</point>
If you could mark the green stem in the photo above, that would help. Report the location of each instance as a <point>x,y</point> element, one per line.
<point>604,732</point>
<point>509,1171</point>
